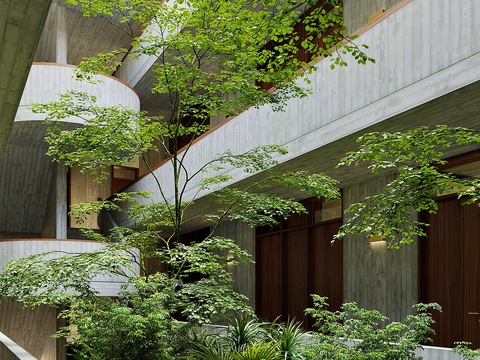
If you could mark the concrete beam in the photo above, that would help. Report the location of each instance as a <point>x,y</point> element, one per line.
<point>21,24</point>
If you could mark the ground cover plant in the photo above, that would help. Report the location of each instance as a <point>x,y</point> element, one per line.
<point>349,333</point>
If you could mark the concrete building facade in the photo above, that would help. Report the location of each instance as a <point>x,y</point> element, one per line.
<point>426,72</point>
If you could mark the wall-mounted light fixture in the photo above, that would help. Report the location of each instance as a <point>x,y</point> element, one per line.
<point>377,238</point>
<point>229,259</point>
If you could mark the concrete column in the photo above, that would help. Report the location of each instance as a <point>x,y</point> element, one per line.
<point>243,274</point>
<point>53,43</point>
<point>61,217</point>
<point>373,276</point>
<point>60,35</point>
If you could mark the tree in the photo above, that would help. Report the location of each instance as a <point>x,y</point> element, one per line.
<point>415,156</point>
<point>213,57</point>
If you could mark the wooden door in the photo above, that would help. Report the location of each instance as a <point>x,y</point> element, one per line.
<point>327,264</point>
<point>449,271</point>
<point>471,226</point>
<point>292,264</point>
<point>297,292</point>
<point>270,287</point>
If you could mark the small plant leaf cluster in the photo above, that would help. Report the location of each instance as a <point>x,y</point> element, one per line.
<point>357,333</point>
<point>248,339</point>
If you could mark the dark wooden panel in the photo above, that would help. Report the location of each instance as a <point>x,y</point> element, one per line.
<point>450,273</point>
<point>327,263</point>
<point>296,220</point>
<point>294,263</point>
<point>297,274</point>
<point>442,281</point>
<point>270,277</point>
<point>471,227</point>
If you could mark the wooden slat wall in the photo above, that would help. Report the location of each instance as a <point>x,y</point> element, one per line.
<point>297,273</point>
<point>327,270</point>
<point>31,329</point>
<point>270,277</point>
<point>294,263</point>
<point>450,272</point>
<point>374,277</point>
<point>442,280</point>
<point>471,270</point>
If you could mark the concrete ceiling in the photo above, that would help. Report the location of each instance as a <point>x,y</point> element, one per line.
<point>21,23</point>
<point>87,36</point>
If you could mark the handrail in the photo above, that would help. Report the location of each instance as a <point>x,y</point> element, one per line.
<point>10,350</point>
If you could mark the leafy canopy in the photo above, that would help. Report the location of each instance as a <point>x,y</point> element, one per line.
<point>415,156</point>
<point>211,58</point>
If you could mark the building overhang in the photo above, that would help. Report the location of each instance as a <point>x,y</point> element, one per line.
<point>414,82</point>
<point>21,24</point>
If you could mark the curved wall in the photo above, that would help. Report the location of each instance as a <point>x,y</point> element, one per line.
<point>105,285</point>
<point>48,80</point>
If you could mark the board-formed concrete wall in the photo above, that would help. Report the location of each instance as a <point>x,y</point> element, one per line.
<point>357,13</point>
<point>374,276</point>
<point>244,274</point>
<point>30,328</point>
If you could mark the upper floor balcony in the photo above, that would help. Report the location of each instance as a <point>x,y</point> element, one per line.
<point>28,173</point>
<point>426,72</point>
<point>47,81</point>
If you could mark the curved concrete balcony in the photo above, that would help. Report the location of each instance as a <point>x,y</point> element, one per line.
<point>48,80</point>
<point>12,249</point>
<point>25,191</point>
<point>426,73</point>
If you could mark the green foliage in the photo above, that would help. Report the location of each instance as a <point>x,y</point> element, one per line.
<point>211,58</point>
<point>258,351</point>
<point>414,156</point>
<point>208,347</point>
<point>209,300</point>
<point>213,53</point>
<point>109,135</point>
<point>352,333</point>
<point>462,348</point>
<point>55,279</point>
<point>356,333</point>
<point>257,209</point>
<point>138,325</point>
<point>291,339</point>
<point>247,338</point>
<point>245,331</point>
<point>316,185</point>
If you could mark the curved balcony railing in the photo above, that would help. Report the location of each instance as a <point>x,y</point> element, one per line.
<point>47,81</point>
